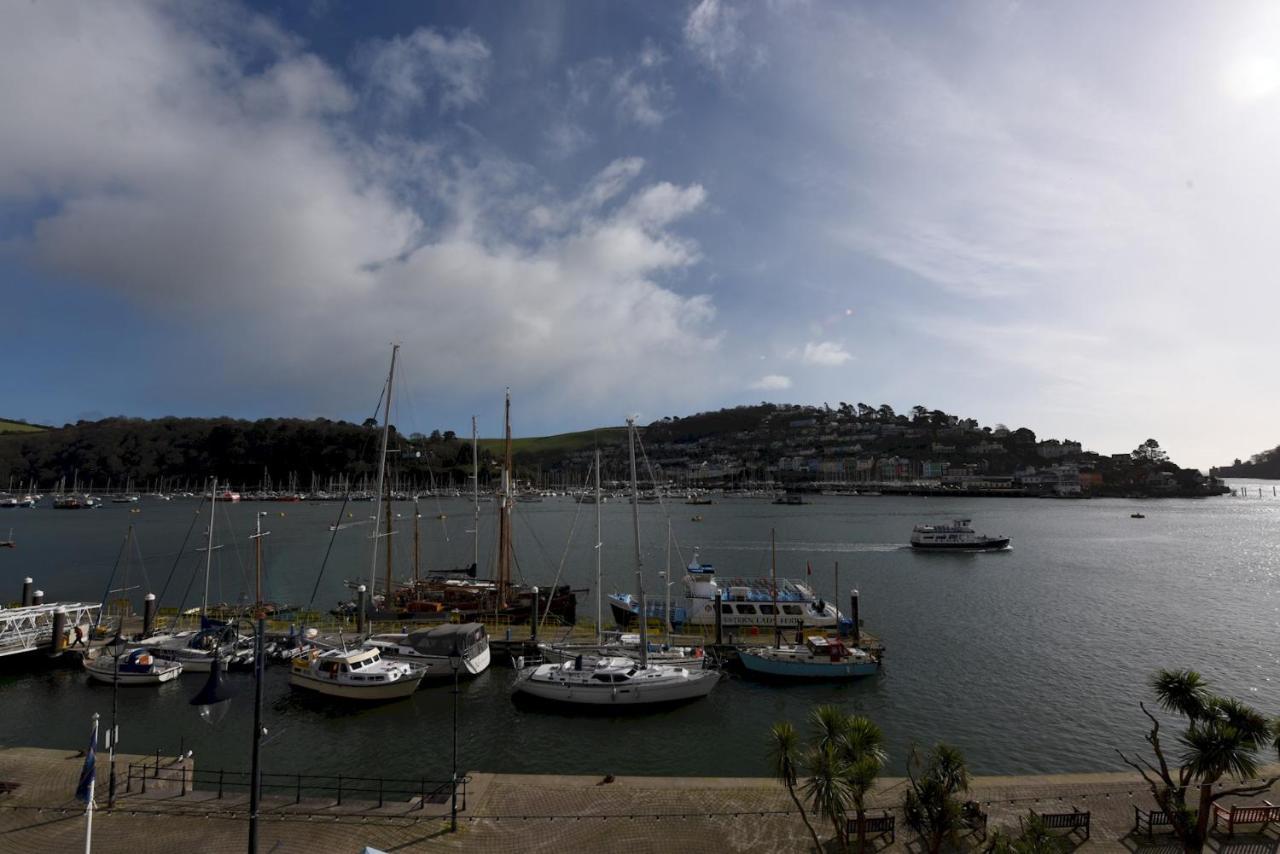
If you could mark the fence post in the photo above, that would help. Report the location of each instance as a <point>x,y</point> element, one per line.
<point>157,763</point>
<point>464,794</point>
<point>297,798</point>
<point>220,771</point>
<point>339,790</point>
<point>128,780</point>
<point>379,793</point>
<point>143,772</point>
<point>422,804</point>
<point>183,769</point>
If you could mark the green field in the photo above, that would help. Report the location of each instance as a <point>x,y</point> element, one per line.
<point>564,443</point>
<point>19,427</point>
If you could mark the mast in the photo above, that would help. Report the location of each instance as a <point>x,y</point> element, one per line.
<point>635,519</point>
<point>504,515</point>
<point>599,549</point>
<point>417,549</point>
<point>257,555</point>
<point>386,603</point>
<point>208,549</point>
<point>382,472</point>
<point>475,495</point>
<point>773,583</point>
<point>667,578</point>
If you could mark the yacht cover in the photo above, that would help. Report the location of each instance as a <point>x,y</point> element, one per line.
<point>447,639</point>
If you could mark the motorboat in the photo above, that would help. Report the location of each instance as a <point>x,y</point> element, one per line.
<point>614,681</point>
<point>196,650</point>
<point>136,667</point>
<point>357,674</point>
<point>1137,516</point>
<point>958,536</point>
<point>433,649</point>
<point>818,658</point>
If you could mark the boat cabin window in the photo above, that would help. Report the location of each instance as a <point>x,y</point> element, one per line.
<point>793,610</point>
<point>766,609</point>
<point>726,609</point>
<point>746,609</point>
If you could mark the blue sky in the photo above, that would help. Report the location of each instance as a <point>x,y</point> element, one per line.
<point>1053,215</point>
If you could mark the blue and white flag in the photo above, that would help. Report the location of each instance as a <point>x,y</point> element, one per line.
<point>84,791</point>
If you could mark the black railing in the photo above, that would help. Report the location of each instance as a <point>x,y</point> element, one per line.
<point>339,787</point>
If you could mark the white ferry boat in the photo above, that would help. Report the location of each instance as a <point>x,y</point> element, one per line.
<point>744,603</point>
<point>432,649</point>
<point>958,536</point>
<point>615,681</point>
<point>358,674</point>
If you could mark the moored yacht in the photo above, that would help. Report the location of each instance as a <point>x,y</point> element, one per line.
<point>958,536</point>
<point>136,667</point>
<point>195,650</point>
<point>818,658</point>
<point>433,648</point>
<point>358,674</point>
<point>615,681</point>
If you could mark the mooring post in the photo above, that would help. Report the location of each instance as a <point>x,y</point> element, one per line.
<point>37,598</point>
<point>533,618</point>
<point>148,614</point>
<point>362,609</point>
<point>853,614</point>
<point>297,796</point>
<point>339,790</point>
<point>28,585</point>
<point>59,630</point>
<point>379,793</point>
<point>719,632</point>
<point>220,773</point>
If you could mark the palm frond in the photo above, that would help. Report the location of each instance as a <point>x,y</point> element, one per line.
<point>1182,691</point>
<point>785,742</point>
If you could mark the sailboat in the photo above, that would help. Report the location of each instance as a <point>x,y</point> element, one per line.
<point>617,681</point>
<point>196,650</point>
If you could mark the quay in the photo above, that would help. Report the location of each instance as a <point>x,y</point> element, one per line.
<point>515,812</point>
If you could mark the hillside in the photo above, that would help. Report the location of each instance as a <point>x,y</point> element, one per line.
<point>558,445</point>
<point>1263,465</point>
<point>7,426</point>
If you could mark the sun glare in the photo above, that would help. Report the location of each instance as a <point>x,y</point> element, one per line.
<point>1252,77</point>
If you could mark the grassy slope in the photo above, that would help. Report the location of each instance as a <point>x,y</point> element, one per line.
<point>19,427</point>
<point>563,443</point>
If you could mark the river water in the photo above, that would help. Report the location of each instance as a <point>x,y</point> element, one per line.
<point>1030,660</point>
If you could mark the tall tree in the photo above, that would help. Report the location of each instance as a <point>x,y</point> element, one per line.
<point>930,806</point>
<point>786,744</point>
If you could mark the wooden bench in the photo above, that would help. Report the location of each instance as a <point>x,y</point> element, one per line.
<point>974,818</point>
<point>1149,819</point>
<point>1072,821</point>
<point>873,826</point>
<point>1263,815</point>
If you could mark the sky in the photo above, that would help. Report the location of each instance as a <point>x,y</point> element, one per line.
<point>1059,216</point>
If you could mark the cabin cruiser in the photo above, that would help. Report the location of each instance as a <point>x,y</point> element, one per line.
<point>433,648</point>
<point>958,536</point>
<point>818,658</point>
<point>614,681</point>
<point>358,674</point>
<point>195,650</point>
<point>136,667</point>
<point>744,603</point>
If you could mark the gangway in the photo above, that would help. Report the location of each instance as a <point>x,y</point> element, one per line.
<point>30,628</point>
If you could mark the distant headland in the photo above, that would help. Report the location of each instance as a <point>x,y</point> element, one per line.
<point>849,447</point>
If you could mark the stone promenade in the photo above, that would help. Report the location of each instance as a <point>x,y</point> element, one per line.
<point>519,813</point>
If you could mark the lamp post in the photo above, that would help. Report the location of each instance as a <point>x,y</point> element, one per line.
<point>455,661</point>
<point>115,648</point>
<point>214,693</point>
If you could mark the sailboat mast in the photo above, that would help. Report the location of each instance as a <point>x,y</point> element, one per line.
<point>257,559</point>
<point>208,549</point>
<point>773,584</point>
<point>475,495</point>
<point>417,543</point>
<point>635,520</point>
<point>382,472</point>
<point>504,517</point>
<point>668,581</point>
<point>386,603</point>
<point>599,548</point>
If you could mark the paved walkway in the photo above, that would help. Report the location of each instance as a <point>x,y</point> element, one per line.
<point>519,813</point>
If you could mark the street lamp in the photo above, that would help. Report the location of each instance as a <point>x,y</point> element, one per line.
<point>115,648</point>
<point>455,661</point>
<point>212,702</point>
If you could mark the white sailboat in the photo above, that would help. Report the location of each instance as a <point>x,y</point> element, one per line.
<point>618,681</point>
<point>136,667</point>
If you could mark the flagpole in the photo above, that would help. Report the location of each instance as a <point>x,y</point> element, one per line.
<point>88,807</point>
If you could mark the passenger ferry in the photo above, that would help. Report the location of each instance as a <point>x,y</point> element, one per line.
<point>359,674</point>
<point>744,602</point>
<point>958,536</point>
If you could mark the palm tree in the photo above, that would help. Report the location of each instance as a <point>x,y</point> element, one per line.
<point>864,751</point>
<point>930,807</point>
<point>785,743</point>
<point>828,787</point>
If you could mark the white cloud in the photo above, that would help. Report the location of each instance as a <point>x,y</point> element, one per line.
<point>246,204</point>
<point>405,70</point>
<point>771,382</point>
<point>825,354</point>
<point>713,32</point>
<point>633,89</point>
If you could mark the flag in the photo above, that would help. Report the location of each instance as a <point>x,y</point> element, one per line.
<point>84,791</point>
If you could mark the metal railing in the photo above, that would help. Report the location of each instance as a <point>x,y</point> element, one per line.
<point>339,787</point>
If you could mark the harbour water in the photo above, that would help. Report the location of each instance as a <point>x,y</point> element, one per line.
<point>1031,660</point>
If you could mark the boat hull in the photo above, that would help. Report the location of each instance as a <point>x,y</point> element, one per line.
<point>160,673</point>
<point>990,545</point>
<point>806,669</point>
<point>372,693</point>
<point>695,685</point>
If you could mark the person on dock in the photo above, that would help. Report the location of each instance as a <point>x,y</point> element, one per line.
<point>79,641</point>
